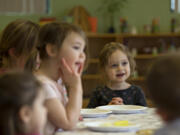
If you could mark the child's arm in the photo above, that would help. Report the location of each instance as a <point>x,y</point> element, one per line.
<point>140,97</point>
<point>94,100</point>
<point>67,117</point>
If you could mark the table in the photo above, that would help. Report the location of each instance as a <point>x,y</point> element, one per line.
<point>147,120</point>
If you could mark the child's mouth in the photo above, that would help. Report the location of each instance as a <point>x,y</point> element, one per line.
<point>78,65</point>
<point>120,75</point>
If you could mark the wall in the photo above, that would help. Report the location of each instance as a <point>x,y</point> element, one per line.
<point>137,12</point>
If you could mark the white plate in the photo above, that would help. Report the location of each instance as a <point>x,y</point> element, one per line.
<point>108,126</point>
<point>90,113</point>
<point>123,108</point>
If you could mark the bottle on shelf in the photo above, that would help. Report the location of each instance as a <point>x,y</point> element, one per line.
<point>154,51</point>
<point>172,48</point>
<point>133,30</point>
<point>124,25</point>
<point>134,52</point>
<point>155,25</point>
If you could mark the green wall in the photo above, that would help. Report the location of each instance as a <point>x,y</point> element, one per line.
<point>137,12</point>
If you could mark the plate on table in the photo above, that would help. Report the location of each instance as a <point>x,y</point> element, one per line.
<point>91,113</point>
<point>112,126</point>
<point>123,108</point>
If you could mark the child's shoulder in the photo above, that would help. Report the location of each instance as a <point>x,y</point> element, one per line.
<point>43,78</point>
<point>46,81</point>
<point>100,88</point>
<point>135,88</point>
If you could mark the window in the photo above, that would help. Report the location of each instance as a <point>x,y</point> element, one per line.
<point>175,6</point>
<point>24,6</point>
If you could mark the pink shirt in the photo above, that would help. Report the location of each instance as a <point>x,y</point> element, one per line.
<point>53,89</point>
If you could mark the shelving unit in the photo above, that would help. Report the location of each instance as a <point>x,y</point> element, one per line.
<point>144,43</point>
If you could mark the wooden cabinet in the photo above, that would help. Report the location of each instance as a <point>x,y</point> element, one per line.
<point>148,47</point>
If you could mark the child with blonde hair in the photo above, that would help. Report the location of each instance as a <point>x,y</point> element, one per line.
<point>116,65</point>
<point>18,44</point>
<point>21,104</point>
<point>62,50</point>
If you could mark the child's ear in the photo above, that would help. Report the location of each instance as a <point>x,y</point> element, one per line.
<point>25,114</point>
<point>12,52</point>
<point>51,50</point>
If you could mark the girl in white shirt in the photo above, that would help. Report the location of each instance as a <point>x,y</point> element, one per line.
<point>62,51</point>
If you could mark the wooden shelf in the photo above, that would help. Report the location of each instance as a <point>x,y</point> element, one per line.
<point>101,35</point>
<point>106,35</point>
<point>96,76</point>
<point>148,56</point>
<point>140,56</point>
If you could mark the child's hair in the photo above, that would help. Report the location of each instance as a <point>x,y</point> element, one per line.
<point>17,89</point>
<point>22,35</point>
<point>55,34</point>
<point>109,49</point>
<point>163,81</point>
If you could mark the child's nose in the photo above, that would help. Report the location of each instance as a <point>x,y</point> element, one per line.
<point>120,67</point>
<point>82,55</point>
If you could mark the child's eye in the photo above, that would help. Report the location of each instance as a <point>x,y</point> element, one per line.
<point>124,63</point>
<point>76,47</point>
<point>114,65</point>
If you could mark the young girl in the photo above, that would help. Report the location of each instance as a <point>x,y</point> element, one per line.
<point>21,104</point>
<point>116,65</point>
<point>62,51</point>
<point>18,45</point>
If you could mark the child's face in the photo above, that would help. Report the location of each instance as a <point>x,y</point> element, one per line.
<point>118,68</point>
<point>39,114</point>
<point>73,51</point>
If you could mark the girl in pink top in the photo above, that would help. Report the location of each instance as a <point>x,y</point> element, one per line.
<point>62,50</point>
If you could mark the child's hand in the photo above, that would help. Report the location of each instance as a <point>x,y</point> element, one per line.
<point>68,75</point>
<point>116,101</point>
<point>80,118</point>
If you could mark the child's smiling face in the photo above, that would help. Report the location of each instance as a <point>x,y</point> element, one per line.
<point>72,51</point>
<point>118,68</point>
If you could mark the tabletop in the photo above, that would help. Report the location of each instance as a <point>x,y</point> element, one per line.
<point>148,120</point>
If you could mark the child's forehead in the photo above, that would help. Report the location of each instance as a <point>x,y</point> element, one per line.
<point>74,37</point>
<point>117,54</point>
<point>74,33</point>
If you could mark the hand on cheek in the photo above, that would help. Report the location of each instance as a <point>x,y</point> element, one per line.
<point>69,76</point>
